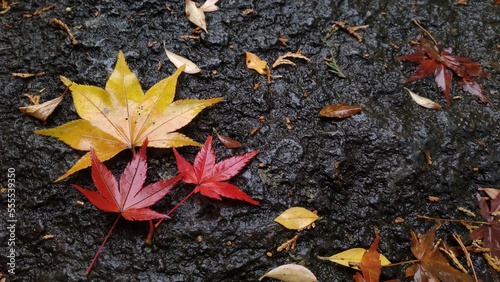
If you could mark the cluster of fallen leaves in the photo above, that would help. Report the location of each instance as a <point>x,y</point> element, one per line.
<point>439,61</point>
<point>435,261</point>
<point>122,117</point>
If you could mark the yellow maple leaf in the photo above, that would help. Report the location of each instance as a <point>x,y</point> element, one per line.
<point>121,116</point>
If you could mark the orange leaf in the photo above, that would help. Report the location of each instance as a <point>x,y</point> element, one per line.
<point>340,110</point>
<point>370,263</point>
<point>255,63</point>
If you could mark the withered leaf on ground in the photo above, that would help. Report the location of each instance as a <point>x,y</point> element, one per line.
<point>42,111</point>
<point>352,258</point>
<point>121,116</point>
<point>255,63</point>
<point>340,110</point>
<point>296,218</point>
<point>285,59</point>
<point>178,61</point>
<point>422,101</point>
<point>226,141</point>
<point>209,6</point>
<point>489,233</point>
<point>371,265</point>
<point>291,273</point>
<point>433,265</point>
<point>195,14</point>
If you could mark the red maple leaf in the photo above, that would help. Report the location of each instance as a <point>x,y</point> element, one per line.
<point>209,176</point>
<point>489,233</point>
<point>433,59</point>
<point>370,264</point>
<point>128,196</point>
<point>433,265</point>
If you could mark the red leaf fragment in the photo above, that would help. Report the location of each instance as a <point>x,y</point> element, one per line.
<point>489,233</point>
<point>128,196</point>
<point>209,176</point>
<point>433,265</point>
<point>434,59</point>
<point>340,110</point>
<point>370,265</point>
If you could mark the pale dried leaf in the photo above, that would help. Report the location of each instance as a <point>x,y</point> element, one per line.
<point>285,59</point>
<point>352,258</point>
<point>422,101</point>
<point>42,111</point>
<point>291,273</point>
<point>296,218</point>
<point>209,6</point>
<point>195,15</point>
<point>178,61</point>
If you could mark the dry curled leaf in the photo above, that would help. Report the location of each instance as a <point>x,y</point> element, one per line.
<point>255,63</point>
<point>195,15</point>
<point>42,111</point>
<point>340,110</point>
<point>226,141</point>
<point>296,218</point>
<point>291,273</point>
<point>422,101</point>
<point>178,61</point>
<point>285,59</point>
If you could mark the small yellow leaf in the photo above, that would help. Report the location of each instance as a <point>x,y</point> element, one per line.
<point>291,273</point>
<point>178,61</point>
<point>296,218</point>
<point>422,101</point>
<point>196,15</point>
<point>209,6</point>
<point>352,258</point>
<point>42,111</point>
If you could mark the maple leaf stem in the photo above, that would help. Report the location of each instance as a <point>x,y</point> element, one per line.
<point>425,30</point>
<point>87,272</point>
<point>452,220</point>
<point>176,207</point>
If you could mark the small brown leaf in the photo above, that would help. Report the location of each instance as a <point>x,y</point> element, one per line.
<point>42,111</point>
<point>255,63</point>
<point>340,110</point>
<point>226,141</point>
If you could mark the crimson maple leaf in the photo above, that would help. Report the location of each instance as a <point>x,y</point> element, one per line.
<point>433,59</point>
<point>209,176</point>
<point>489,233</point>
<point>128,196</point>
